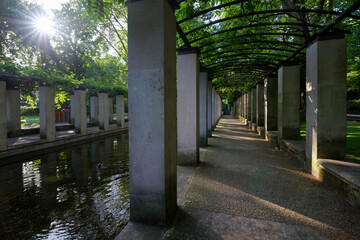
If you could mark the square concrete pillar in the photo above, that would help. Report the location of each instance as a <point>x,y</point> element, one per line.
<point>209,108</point>
<point>244,107</point>
<point>111,109</point>
<point>94,109</point>
<point>219,107</point>
<point>103,111</point>
<point>260,104</point>
<point>216,107</point>
<point>72,108</point>
<point>203,80</point>
<point>253,105</point>
<point>47,113</point>
<point>188,107</point>
<point>248,105</point>
<point>120,110</point>
<point>288,102</point>
<point>237,107</point>
<point>3,120</point>
<point>213,118</point>
<point>152,112</point>
<point>13,109</point>
<point>325,100</point>
<point>241,106</point>
<point>271,103</point>
<point>80,110</point>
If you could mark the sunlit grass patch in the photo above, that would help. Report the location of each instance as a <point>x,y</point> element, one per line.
<point>352,140</point>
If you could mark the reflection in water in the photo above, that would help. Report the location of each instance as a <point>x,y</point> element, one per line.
<point>81,193</point>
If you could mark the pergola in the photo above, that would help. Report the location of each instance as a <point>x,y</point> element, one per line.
<point>174,50</point>
<point>232,37</point>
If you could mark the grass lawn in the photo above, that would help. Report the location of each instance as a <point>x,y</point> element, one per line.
<point>352,140</point>
<point>29,120</point>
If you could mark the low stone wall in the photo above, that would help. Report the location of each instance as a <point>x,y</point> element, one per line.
<point>261,131</point>
<point>343,176</point>
<point>27,151</point>
<point>296,148</point>
<point>254,127</point>
<point>36,130</point>
<point>272,137</point>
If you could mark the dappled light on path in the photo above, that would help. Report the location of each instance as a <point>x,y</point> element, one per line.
<point>241,174</point>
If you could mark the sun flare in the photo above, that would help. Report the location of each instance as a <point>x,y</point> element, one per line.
<point>44,25</point>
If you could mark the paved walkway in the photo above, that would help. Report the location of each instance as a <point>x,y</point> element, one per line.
<point>246,189</point>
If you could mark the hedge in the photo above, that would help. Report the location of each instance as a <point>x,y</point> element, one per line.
<point>29,111</point>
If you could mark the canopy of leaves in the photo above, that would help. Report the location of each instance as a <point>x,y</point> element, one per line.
<point>241,41</point>
<point>81,51</point>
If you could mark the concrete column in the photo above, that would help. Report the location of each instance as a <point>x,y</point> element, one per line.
<point>235,107</point>
<point>213,108</point>
<point>111,109</point>
<point>72,108</point>
<point>94,109</point>
<point>203,108</point>
<point>271,105</point>
<point>13,110</point>
<point>260,104</point>
<point>325,100</point>
<point>103,111</point>
<point>253,105</point>
<point>209,106</point>
<point>47,113</point>
<point>248,105</point>
<point>152,112</point>
<point>219,108</point>
<point>3,120</point>
<point>216,107</point>
<point>188,107</point>
<point>244,107</point>
<point>241,107</point>
<point>120,110</point>
<point>80,110</point>
<point>288,102</point>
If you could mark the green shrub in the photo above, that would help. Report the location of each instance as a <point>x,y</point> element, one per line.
<point>29,111</point>
<point>353,106</point>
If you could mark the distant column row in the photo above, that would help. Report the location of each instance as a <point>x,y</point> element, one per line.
<point>276,104</point>
<point>101,112</point>
<point>198,107</point>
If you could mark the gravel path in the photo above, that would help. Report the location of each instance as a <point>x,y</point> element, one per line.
<point>241,175</point>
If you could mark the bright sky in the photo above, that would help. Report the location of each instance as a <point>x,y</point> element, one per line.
<point>51,4</point>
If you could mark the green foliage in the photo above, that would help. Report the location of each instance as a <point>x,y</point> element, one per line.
<point>29,111</point>
<point>84,50</point>
<point>353,106</point>
<point>353,64</point>
<point>352,140</point>
<point>240,51</point>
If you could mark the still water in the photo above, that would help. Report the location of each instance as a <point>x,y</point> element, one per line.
<point>80,193</point>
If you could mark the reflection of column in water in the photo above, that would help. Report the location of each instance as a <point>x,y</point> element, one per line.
<point>11,183</point>
<point>95,153</point>
<point>109,146</point>
<point>48,179</point>
<point>121,143</point>
<point>95,160</point>
<point>104,147</point>
<point>79,160</point>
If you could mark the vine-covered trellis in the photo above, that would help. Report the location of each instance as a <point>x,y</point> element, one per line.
<point>239,42</point>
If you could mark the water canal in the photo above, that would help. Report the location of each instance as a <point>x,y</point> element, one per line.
<point>80,193</point>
